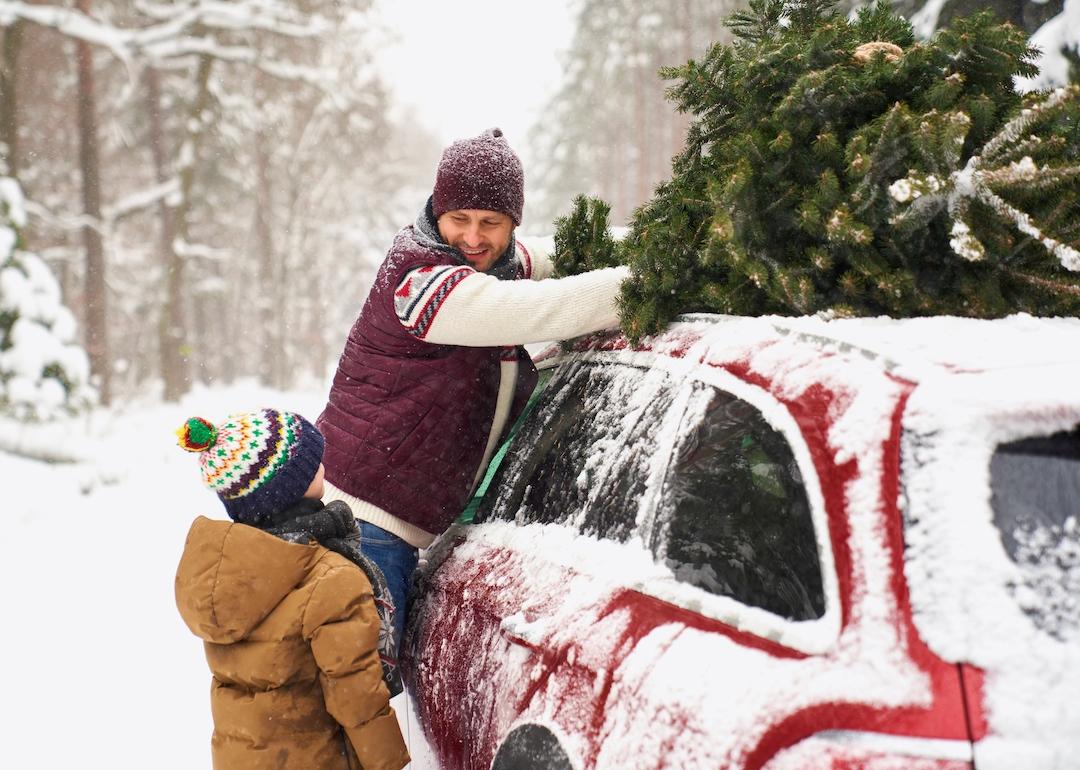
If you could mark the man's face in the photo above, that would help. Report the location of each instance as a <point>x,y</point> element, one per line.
<point>482,236</point>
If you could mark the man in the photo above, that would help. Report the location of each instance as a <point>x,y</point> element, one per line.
<point>434,372</point>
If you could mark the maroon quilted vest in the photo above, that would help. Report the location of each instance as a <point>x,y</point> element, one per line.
<point>407,421</point>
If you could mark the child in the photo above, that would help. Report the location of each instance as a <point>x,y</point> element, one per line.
<point>290,628</point>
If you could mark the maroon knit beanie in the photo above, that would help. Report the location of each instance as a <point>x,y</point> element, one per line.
<point>480,173</point>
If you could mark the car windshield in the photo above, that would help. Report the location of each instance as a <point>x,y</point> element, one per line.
<point>1035,485</point>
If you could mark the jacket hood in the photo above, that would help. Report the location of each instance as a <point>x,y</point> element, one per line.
<point>231,576</point>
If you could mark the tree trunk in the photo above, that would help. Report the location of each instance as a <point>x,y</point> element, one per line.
<point>9,123</point>
<point>96,323</point>
<point>174,373</point>
<point>680,120</point>
<point>641,127</point>
<point>271,274</point>
<point>306,307</point>
<point>175,337</point>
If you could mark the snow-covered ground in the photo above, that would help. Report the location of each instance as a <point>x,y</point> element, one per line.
<point>100,671</point>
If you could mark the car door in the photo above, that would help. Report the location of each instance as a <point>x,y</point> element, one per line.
<point>523,598</point>
<point>623,463</point>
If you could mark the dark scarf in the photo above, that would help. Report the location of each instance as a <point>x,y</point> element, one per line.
<point>334,527</point>
<point>427,233</point>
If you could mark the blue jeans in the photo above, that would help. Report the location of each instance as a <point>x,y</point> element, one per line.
<point>397,560</point>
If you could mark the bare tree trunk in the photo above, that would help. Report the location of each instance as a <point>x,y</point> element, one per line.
<point>641,128</point>
<point>680,120</point>
<point>308,349</point>
<point>617,172</point>
<point>273,314</point>
<point>173,364</point>
<point>174,334</point>
<point>315,323</point>
<point>97,343</point>
<point>308,310</point>
<point>9,122</point>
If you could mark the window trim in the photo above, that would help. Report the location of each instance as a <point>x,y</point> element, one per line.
<point>812,637</point>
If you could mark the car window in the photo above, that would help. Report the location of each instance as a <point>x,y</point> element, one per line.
<point>1035,496</point>
<point>733,515</point>
<point>581,457</point>
<point>469,514</point>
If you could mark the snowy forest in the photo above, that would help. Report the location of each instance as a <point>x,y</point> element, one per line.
<point>195,196</point>
<point>196,191</point>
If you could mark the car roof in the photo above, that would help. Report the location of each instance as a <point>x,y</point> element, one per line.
<point>939,342</point>
<point>909,347</point>
<point>993,365</point>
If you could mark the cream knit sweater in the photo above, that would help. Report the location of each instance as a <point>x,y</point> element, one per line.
<point>479,310</point>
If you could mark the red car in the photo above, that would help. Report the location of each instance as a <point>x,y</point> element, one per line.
<point>771,543</point>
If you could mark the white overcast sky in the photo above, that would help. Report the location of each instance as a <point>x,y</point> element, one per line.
<point>468,65</point>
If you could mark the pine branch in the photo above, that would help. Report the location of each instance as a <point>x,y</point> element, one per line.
<point>1054,286</point>
<point>1019,125</point>
<point>1065,254</point>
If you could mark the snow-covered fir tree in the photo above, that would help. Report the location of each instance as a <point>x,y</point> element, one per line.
<point>840,164</point>
<point>44,372</point>
<point>1054,26</point>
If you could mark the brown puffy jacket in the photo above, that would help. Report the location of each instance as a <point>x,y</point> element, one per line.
<point>290,632</point>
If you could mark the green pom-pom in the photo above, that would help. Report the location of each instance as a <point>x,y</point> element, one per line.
<point>196,435</point>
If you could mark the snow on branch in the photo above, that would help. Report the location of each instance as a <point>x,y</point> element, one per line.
<point>176,31</point>
<point>1019,125</point>
<point>140,200</point>
<point>1066,255</point>
<point>62,221</point>
<point>239,54</point>
<point>231,16</point>
<point>312,76</point>
<point>199,250</point>
<point>130,204</point>
<point>988,170</point>
<point>72,23</point>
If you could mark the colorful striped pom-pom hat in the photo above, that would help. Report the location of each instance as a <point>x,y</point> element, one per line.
<point>259,463</point>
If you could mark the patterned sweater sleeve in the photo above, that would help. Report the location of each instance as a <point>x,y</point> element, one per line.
<point>455,305</point>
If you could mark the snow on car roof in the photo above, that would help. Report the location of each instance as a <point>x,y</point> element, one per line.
<point>915,349</point>
<point>913,344</point>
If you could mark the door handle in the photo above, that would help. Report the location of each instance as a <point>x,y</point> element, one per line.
<point>519,630</point>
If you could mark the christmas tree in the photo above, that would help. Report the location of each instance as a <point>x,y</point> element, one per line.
<point>838,165</point>
<point>43,372</point>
